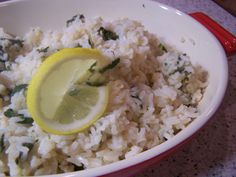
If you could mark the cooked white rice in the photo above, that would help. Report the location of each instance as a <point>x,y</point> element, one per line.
<point>154,94</point>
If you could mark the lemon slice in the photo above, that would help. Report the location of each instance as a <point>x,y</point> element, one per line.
<point>59,100</point>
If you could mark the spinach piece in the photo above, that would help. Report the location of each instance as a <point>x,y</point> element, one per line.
<point>107,35</point>
<point>28,145</point>
<point>91,43</point>
<point>70,21</point>
<point>2,146</point>
<point>43,50</point>
<point>10,113</point>
<point>18,88</point>
<point>91,69</point>
<point>162,47</point>
<point>110,66</point>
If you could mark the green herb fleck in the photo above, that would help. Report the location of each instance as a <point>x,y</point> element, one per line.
<point>18,88</point>
<point>8,66</point>
<point>136,97</point>
<point>70,21</point>
<point>10,113</point>
<point>25,120</point>
<point>18,158</point>
<point>78,168</point>
<point>82,18</point>
<point>74,92</point>
<point>110,66</point>
<point>28,145</point>
<point>2,146</point>
<point>17,42</point>
<point>180,69</point>
<point>91,69</point>
<point>91,43</point>
<point>2,53</point>
<point>107,35</point>
<point>2,66</point>
<point>95,84</point>
<point>162,47</point>
<point>43,50</point>
<point>79,45</point>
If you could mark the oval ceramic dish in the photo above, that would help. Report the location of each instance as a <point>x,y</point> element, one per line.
<point>16,17</point>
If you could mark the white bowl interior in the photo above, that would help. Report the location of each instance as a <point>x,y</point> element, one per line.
<point>169,24</point>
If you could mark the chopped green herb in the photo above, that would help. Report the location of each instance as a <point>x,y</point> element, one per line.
<point>110,66</point>
<point>2,53</point>
<point>176,131</point>
<point>180,69</point>
<point>162,47</point>
<point>179,58</point>
<point>78,168</point>
<point>43,50</point>
<point>95,84</point>
<point>91,69</point>
<point>10,113</point>
<point>25,120</point>
<point>18,88</point>
<point>91,43</point>
<point>81,17</point>
<point>74,92</point>
<point>107,35</point>
<point>2,146</point>
<point>68,22</point>
<point>2,66</point>
<point>8,66</point>
<point>18,158</point>
<point>17,42</point>
<point>79,45</point>
<point>136,96</point>
<point>28,145</point>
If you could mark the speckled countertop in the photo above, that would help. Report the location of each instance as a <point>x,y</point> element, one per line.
<point>212,153</point>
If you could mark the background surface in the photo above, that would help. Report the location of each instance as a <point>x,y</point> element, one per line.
<point>212,153</point>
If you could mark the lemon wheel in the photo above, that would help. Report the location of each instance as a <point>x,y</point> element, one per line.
<point>59,100</point>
